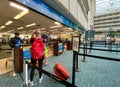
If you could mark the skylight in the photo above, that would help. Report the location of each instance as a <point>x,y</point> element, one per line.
<point>107,6</point>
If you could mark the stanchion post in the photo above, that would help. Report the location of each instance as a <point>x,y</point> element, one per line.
<point>73,71</point>
<point>117,48</point>
<point>105,43</point>
<point>86,48</point>
<point>13,61</point>
<point>76,63</point>
<point>25,73</point>
<point>111,46</point>
<point>84,53</point>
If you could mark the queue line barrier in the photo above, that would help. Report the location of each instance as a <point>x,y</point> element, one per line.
<point>75,61</point>
<point>26,62</point>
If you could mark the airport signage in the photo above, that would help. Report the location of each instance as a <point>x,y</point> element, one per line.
<point>43,8</point>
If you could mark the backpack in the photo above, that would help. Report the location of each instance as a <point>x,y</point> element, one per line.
<point>37,50</point>
<point>14,42</point>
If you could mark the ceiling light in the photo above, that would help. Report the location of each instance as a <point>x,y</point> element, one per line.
<point>30,25</point>
<point>8,23</point>
<point>57,23</point>
<point>20,28</point>
<point>68,28</point>
<point>3,27</point>
<point>55,26</point>
<point>43,28</point>
<point>8,31</point>
<point>20,14</point>
<point>18,6</point>
<point>51,30</point>
<point>25,10</point>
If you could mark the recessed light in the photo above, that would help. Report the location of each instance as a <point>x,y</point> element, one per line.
<point>57,23</point>
<point>56,26</point>
<point>20,28</point>
<point>3,27</point>
<point>9,22</point>
<point>18,6</point>
<point>20,14</point>
<point>30,25</point>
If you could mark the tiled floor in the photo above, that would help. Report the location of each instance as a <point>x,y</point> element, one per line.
<point>3,68</point>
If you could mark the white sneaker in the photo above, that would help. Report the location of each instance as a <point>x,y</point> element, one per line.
<point>30,83</point>
<point>40,80</point>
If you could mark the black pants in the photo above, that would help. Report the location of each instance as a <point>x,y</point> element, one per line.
<point>40,61</point>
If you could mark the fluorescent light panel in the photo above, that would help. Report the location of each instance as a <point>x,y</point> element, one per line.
<point>57,23</point>
<point>9,22</point>
<point>43,28</point>
<point>30,25</point>
<point>3,27</point>
<point>24,10</point>
<point>20,14</point>
<point>20,28</point>
<point>18,6</point>
<point>55,26</point>
<point>8,31</point>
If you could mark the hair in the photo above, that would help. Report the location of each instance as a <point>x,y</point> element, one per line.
<point>33,35</point>
<point>37,32</point>
<point>17,33</point>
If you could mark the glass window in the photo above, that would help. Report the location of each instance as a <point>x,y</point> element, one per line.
<point>107,6</point>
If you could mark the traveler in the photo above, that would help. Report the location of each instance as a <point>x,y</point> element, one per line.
<point>66,40</point>
<point>45,38</point>
<point>15,41</point>
<point>37,53</point>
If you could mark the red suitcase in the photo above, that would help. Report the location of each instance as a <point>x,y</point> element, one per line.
<point>61,71</point>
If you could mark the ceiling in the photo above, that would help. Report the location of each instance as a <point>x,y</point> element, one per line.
<point>8,12</point>
<point>107,6</point>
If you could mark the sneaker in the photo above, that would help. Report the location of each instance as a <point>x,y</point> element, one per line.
<point>40,80</point>
<point>30,83</point>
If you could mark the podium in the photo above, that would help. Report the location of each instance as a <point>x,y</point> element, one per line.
<point>57,48</point>
<point>18,61</point>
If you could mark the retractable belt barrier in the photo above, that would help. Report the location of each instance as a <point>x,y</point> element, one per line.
<point>85,47</point>
<point>101,49</point>
<point>26,59</point>
<point>75,61</point>
<point>102,45</point>
<point>53,76</point>
<point>99,57</point>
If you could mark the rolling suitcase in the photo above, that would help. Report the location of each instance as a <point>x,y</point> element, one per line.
<point>61,71</point>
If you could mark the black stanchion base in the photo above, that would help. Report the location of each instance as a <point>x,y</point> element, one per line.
<point>84,61</point>
<point>77,70</point>
<point>25,85</point>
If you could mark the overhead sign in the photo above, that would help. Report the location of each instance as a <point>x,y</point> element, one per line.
<point>43,8</point>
